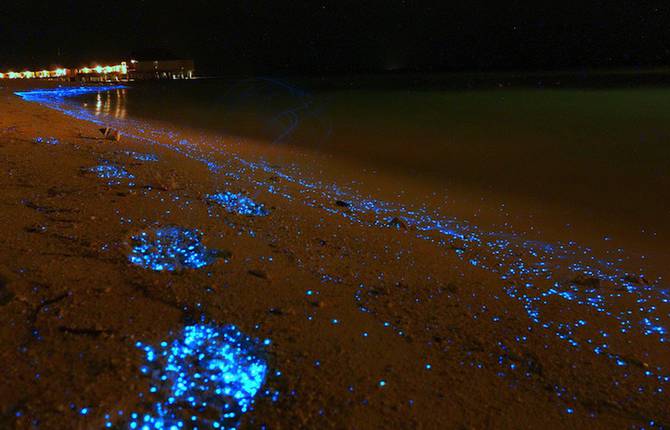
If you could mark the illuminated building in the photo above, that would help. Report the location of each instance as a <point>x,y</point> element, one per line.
<point>98,73</point>
<point>58,73</point>
<point>161,69</point>
<point>152,69</point>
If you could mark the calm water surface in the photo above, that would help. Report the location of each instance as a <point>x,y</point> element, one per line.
<point>597,157</point>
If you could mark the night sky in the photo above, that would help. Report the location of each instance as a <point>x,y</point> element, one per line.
<point>340,36</point>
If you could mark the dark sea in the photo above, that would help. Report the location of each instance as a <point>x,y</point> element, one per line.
<point>581,151</point>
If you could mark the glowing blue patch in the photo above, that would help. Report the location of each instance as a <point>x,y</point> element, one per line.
<point>110,171</point>
<point>209,375</point>
<point>169,248</point>
<point>239,204</point>
<point>46,140</point>
<point>62,92</point>
<point>141,156</point>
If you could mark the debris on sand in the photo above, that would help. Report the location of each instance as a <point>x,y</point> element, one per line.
<point>258,273</point>
<point>35,228</point>
<point>110,133</point>
<point>398,223</point>
<point>635,279</point>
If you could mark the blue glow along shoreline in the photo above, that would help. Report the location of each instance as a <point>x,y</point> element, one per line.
<point>503,250</point>
<point>539,275</point>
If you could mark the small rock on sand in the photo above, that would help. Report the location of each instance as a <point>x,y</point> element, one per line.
<point>110,133</point>
<point>258,273</point>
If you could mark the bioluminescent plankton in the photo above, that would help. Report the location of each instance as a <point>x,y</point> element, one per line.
<point>110,171</point>
<point>205,377</point>
<point>46,140</point>
<point>238,203</point>
<point>169,248</point>
<point>141,156</point>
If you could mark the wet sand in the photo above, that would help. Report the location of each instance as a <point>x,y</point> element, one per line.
<point>373,320</point>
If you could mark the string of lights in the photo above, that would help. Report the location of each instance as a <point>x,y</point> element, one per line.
<point>120,69</point>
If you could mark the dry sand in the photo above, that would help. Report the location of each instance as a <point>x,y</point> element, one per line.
<point>437,347</point>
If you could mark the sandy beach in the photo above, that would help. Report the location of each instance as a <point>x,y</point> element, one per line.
<point>364,310</point>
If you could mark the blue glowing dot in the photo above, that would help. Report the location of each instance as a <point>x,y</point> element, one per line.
<point>382,383</point>
<point>83,411</point>
<point>428,366</point>
<point>139,156</point>
<point>169,248</point>
<point>46,140</point>
<point>239,204</point>
<point>110,171</point>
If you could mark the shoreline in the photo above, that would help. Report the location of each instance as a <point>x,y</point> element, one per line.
<point>542,182</point>
<point>437,336</point>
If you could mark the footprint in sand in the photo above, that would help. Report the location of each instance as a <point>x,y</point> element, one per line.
<point>207,376</point>
<point>170,248</point>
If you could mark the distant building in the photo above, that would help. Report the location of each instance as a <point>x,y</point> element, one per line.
<point>124,71</point>
<point>161,69</point>
<point>97,73</point>
<point>61,74</point>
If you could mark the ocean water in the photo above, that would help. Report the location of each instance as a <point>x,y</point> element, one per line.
<point>586,161</point>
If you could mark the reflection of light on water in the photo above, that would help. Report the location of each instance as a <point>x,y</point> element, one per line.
<point>207,377</point>
<point>238,203</point>
<point>120,111</point>
<point>169,248</point>
<point>52,97</point>
<point>103,103</point>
